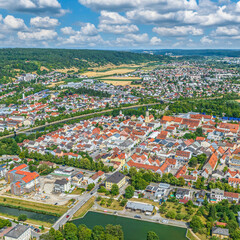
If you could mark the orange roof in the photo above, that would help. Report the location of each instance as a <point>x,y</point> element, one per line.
<point>213,160</point>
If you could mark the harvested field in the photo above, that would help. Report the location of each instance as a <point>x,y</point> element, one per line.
<point>56,83</point>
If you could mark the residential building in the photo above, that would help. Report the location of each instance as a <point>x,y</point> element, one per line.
<point>116,178</point>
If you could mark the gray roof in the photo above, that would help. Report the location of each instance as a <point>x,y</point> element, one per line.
<point>61,182</point>
<point>220,231</point>
<point>140,206</point>
<point>17,231</point>
<point>115,178</point>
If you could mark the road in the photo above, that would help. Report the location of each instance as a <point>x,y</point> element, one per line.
<point>81,201</point>
<point>76,117</point>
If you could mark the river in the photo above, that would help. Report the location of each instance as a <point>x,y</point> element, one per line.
<point>31,215</point>
<point>133,229</point>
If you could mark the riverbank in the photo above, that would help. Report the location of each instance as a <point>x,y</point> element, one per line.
<point>33,206</point>
<point>33,222</point>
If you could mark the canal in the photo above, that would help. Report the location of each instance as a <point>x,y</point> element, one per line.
<point>31,215</point>
<point>133,229</point>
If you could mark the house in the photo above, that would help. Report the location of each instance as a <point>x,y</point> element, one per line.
<point>200,196</point>
<point>211,163</point>
<point>77,179</point>
<point>141,207</point>
<point>220,232</point>
<point>216,195</point>
<point>19,232</point>
<point>116,178</point>
<point>230,196</point>
<point>183,193</point>
<point>95,178</point>
<point>62,185</point>
<point>3,170</point>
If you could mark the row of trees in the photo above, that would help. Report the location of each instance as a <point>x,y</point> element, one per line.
<point>71,232</point>
<point>142,178</point>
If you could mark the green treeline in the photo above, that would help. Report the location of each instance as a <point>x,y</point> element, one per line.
<point>217,107</point>
<point>71,232</point>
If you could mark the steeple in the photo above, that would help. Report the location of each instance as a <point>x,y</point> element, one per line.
<point>147,115</point>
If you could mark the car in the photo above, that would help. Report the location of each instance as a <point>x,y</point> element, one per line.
<point>67,216</point>
<point>91,193</point>
<point>137,216</point>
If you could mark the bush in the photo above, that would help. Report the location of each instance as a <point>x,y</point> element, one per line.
<point>99,198</point>
<point>123,202</point>
<point>171,214</point>
<point>179,216</point>
<point>22,217</point>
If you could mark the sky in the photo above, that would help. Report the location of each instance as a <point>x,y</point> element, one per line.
<point>120,24</point>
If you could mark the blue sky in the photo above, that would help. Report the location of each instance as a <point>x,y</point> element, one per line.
<point>120,24</point>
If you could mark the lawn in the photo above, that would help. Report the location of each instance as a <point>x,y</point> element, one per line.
<point>114,205</point>
<point>78,191</point>
<point>85,208</point>
<point>34,205</point>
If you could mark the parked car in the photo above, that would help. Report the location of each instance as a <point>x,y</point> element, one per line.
<point>137,216</point>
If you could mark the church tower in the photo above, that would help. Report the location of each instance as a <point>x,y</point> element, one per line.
<point>147,116</point>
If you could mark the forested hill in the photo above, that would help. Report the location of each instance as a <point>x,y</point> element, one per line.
<point>59,58</point>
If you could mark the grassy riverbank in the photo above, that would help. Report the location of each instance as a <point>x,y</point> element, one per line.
<point>84,209</point>
<point>33,222</point>
<point>33,206</point>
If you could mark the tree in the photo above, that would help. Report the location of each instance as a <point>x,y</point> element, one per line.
<point>70,231</point>
<point>22,217</point>
<point>196,224</point>
<point>132,172</point>
<point>115,189</point>
<point>58,235</point>
<point>115,231</point>
<point>152,236</point>
<point>212,212</point>
<point>129,192</point>
<point>171,214</point>
<point>98,233</point>
<point>90,186</point>
<point>181,181</point>
<point>193,162</point>
<point>84,233</point>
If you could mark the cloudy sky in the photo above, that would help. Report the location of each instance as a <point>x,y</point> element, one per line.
<point>120,24</point>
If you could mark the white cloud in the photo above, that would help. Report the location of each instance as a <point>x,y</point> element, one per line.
<point>149,16</point>
<point>120,5</point>
<point>206,40</point>
<point>89,29</point>
<point>112,18</point>
<point>132,40</point>
<point>227,31</point>
<point>118,29</point>
<point>44,22</point>
<point>178,31</point>
<point>14,23</point>
<point>43,34</point>
<point>67,30</point>
<point>33,6</point>
<point>155,41</point>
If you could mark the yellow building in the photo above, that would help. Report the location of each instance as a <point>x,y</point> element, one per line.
<point>116,178</point>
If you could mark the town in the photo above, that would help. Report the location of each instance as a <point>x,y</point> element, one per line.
<point>157,143</point>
